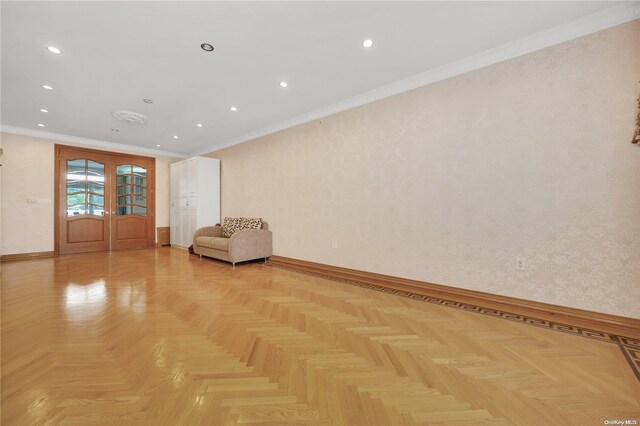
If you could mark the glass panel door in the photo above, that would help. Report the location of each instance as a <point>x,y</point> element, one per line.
<point>83,201</point>
<point>104,200</point>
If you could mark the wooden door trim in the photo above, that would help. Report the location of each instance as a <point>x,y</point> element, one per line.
<point>151,202</point>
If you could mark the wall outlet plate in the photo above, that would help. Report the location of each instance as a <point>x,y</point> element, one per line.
<point>521,263</point>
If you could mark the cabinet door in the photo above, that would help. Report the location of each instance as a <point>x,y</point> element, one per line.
<point>192,228</point>
<point>179,192</point>
<point>192,175</point>
<point>173,212</point>
<point>192,211</point>
<point>184,230</point>
<point>183,178</point>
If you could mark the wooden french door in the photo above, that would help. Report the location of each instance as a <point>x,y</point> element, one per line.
<point>133,202</point>
<point>104,201</point>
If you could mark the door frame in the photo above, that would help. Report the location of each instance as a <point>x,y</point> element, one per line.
<point>151,185</point>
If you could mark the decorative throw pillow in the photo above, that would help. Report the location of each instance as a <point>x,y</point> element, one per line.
<point>250,223</point>
<point>230,225</point>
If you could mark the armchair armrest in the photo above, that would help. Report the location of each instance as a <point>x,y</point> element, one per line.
<point>207,231</point>
<point>249,244</point>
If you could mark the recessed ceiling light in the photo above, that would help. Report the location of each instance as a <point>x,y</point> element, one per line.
<point>115,130</point>
<point>175,137</point>
<point>54,49</point>
<point>367,43</point>
<point>46,86</point>
<point>199,125</point>
<point>283,84</point>
<point>158,146</point>
<point>40,125</point>
<point>43,110</point>
<point>206,47</point>
<point>234,109</point>
<point>147,101</point>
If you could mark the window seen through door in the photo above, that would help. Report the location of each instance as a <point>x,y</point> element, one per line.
<point>85,187</point>
<point>131,190</point>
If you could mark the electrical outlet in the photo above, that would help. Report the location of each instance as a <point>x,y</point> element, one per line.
<point>334,244</point>
<point>521,263</point>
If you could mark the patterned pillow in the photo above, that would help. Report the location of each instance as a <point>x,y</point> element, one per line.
<point>230,226</point>
<point>250,223</point>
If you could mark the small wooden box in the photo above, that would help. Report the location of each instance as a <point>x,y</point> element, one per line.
<point>164,236</point>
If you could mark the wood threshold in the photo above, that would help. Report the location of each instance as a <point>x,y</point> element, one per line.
<point>472,300</point>
<point>27,256</point>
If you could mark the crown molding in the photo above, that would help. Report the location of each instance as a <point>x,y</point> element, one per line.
<point>601,20</point>
<point>91,143</point>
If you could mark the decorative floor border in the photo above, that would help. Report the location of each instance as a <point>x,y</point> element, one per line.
<point>629,347</point>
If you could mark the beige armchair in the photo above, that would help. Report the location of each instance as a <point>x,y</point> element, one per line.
<point>247,244</point>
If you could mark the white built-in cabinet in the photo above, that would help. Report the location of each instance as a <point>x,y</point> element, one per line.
<point>195,197</point>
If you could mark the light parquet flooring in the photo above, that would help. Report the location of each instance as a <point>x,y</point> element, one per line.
<point>158,337</point>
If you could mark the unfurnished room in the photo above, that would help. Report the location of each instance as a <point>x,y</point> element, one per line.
<point>320,213</point>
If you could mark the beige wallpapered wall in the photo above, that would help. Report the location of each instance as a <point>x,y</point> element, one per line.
<point>28,172</point>
<point>449,183</point>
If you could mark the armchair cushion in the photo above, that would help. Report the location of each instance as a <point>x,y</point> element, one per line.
<point>218,243</point>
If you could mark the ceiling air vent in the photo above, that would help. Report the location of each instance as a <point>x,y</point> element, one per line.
<point>129,117</point>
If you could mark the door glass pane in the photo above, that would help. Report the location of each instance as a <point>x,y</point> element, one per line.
<point>95,210</point>
<point>76,210</point>
<point>76,166</point>
<point>124,170</point>
<point>124,200</point>
<point>140,210</point>
<point>124,189</point>
<point>139,170</point>
<point>123,210</point>
<point>141,201</point>
<point>96,199</point>
<point>85,187</point>
<point>96,171</point>
<point>131,179</point>
<point>74,199</point>
<point>96,187</point>
<point>139,190</point>
<point>74,187</point>
<point>126,179</point>
<point>138,180</point>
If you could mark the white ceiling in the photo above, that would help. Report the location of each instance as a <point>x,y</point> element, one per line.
<point>115,54</point>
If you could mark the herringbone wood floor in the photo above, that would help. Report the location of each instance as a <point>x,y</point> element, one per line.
<point>157,337</point>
